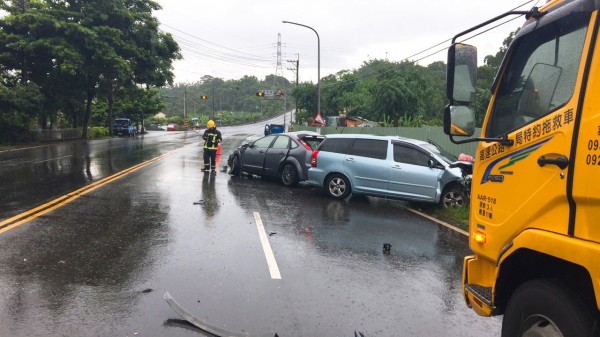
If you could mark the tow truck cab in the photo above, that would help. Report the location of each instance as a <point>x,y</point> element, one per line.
<point>535,204</point>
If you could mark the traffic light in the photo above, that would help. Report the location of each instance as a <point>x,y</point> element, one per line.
<point>204,97</point>
<point>260,94</point>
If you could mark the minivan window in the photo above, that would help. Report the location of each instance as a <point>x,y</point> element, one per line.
<point>336,145</point>
<point>371,148</point>
<point>408,155</point>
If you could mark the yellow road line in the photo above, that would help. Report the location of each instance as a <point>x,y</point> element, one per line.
<point>36,212</point>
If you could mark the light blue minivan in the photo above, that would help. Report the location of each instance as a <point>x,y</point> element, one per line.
<point>388,166</point>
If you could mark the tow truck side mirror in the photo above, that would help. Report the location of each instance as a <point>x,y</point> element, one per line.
<point>462,73</point>
<point>459,120</point>
<point>459,117</point>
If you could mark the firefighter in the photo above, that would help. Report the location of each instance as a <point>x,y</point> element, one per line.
<point>212,138</point>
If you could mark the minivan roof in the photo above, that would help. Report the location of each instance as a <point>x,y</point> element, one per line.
<point>367,136</point>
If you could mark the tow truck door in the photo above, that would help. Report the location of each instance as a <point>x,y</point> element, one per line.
<point>535,105</point>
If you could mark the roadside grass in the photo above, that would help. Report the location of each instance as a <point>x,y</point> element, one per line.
<point>455,217</point>
<point>458,218</point>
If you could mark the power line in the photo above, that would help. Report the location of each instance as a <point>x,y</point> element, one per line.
<point>432,47</point>
<point>214,44</point>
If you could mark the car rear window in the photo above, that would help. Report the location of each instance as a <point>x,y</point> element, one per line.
<point>336,145</point>
<point>371,148</point>
<point>312,141</point>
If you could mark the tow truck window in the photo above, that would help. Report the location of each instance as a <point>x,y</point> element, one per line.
<point>540,76</point>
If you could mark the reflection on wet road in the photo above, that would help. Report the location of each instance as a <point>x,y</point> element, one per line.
<point>100,265</point>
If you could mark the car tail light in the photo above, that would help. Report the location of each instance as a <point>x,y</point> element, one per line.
<point>306,146</point>
<point>313,159</point>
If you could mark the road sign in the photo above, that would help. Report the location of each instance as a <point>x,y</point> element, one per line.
<point>318,120</point>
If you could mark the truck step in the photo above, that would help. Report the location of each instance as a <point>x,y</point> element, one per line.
<point>482,293</point>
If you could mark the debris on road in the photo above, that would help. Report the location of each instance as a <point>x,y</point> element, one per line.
<point>202,325</point>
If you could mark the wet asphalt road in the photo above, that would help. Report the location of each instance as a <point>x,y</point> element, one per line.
<point>99,264</point>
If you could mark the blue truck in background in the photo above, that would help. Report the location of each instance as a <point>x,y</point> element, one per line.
<point>274,128</point>
<point>123,126</point>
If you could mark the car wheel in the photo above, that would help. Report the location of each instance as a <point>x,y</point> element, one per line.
<point>546,308</point>
<point>338,186</point>
<point>235,166</point>
<point>453,197</point>
<point>289,175</point>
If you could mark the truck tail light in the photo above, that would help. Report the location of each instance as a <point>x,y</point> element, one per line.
<point>313,159</point>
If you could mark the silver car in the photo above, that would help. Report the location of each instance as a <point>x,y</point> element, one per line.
<point>387,166</point>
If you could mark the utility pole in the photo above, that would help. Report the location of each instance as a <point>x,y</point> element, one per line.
<point>184,102</point>
<point>318,62</point>
<point>213,99</point>
<point>295,70</point>
<point>278,75</point>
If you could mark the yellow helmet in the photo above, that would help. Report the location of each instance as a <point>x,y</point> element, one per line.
<point>210,124</point>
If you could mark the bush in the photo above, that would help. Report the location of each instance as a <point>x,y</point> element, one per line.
<point>17,134</point>
<point>96,132</point>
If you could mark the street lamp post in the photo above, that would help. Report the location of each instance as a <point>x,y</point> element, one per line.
<point>318,63</point>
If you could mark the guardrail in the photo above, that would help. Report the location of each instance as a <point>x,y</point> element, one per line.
<point>59,134</point>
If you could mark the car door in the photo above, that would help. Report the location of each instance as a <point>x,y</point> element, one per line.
<point>254,156</point>
<point>411,175</point>
<point>275,154</point>
<point>366,165</point>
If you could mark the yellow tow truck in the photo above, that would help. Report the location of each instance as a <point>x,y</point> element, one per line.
<point>535,203</point>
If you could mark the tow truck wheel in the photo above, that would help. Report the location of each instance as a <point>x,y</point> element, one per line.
<point>544,308</point>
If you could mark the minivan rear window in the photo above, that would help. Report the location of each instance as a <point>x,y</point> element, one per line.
<point>371,148</point>
<point>336,145</point>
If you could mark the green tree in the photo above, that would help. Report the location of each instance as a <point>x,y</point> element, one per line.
<point>18,106</point>
<point>76,50</point>
<point>306,95</point>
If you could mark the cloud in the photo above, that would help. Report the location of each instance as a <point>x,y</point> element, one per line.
<point>233,38</point>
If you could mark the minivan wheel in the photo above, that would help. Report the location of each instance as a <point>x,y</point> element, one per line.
<point>338,186</point>
<point>289,175</point>
<point>453,197</point>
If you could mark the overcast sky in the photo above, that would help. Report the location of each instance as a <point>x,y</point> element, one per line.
<point>232,38</point>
